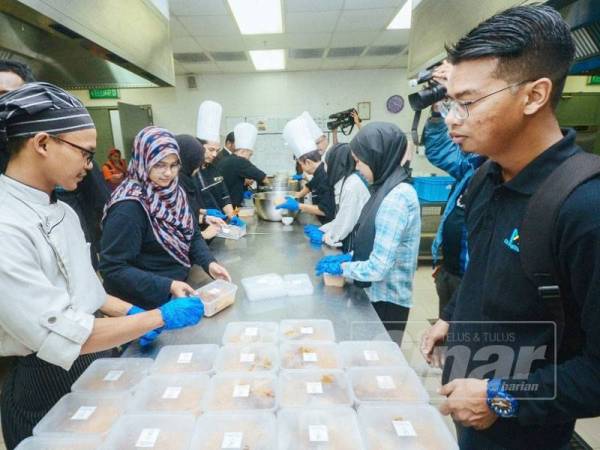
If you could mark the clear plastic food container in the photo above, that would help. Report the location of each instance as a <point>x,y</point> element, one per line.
<point>298,284</point>
<point>216,296</point>
<point>244,431</point>
<point>246,211</point>
<point>314,389</point>
<point>251,332</point>
<point>232,232</point>
<point>181,393</point>
<point>333,280</point>
<point>66,442</point>
<point>241,392</point>
<point>155,431</point>
<point>264,287</point>
<point>173,359</point>
<point>372,354</point>
<point>307,330</point>
<point>248,358</point>
<point>387,384</point>
<point>83,413</point>
<point>310,355</point>
<point>322,429</point>
<point>112,375</point>
<point>409,427</point>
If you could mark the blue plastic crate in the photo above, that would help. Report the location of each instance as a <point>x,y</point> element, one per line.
<point>433,189</point>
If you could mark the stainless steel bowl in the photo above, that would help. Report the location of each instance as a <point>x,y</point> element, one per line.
<point>265,203</point>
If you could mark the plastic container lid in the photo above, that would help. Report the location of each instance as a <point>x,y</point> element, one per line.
<point>232,232</point>
<point>155,431</point>
<point>297,284</point>
<point>66,442</point>
<point>314,389</point>
<point>173,359</point>
<point>310,355</point>
<point>248,358</point>
<point>242,392</point>
<point>254,431</point>
<point>387,384</point>
<point>410,427</point>
<point>251,332</point>
<point>181,393</point>
<point>372,354</point>
<point>307,330</point>
<point>263,287</point>
<point>216,296</point>
<point>85,413</point>
<point>112,375</point>
<point>323,429</point>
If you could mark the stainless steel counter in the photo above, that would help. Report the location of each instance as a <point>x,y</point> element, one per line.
<point>272,247</point>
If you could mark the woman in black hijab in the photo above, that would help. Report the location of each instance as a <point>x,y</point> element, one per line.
<point>386,238</point>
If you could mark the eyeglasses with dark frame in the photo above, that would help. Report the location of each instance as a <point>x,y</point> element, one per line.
<point>87,154</point>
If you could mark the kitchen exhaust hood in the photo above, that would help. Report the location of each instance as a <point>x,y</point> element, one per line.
<point>88,43</point>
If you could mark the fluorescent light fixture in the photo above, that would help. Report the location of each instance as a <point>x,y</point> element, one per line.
<point>257,16</point>
<point>402,19</point>
<point>268,59</point>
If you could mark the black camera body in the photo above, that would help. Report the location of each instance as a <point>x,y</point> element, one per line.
<point>432,93</point>
<point>342,119</point>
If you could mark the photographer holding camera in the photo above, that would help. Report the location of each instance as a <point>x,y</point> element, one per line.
<point>344,119</point>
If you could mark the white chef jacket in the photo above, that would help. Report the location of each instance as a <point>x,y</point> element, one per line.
<point>353,195</point>
<point>48,288</point>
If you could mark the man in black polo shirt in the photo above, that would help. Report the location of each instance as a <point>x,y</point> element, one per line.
<point>507,77</point>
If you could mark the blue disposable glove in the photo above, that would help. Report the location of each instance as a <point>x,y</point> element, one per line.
<point>182,312</point>
<point>308,229</point>
<point>298,177</point>
<point>316,237</point>
<point>332,264</point>
<point>248,195</point>
<point>216,213</point>
<point>151,335</point>
<point>235,220</point>
<point>135,310</point>
<point>291,204</point>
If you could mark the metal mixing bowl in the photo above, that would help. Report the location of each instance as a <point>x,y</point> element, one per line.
<point>265,203</point>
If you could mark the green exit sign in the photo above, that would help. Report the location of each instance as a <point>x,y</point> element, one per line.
<point>594,79</point>
<point>104,93</point>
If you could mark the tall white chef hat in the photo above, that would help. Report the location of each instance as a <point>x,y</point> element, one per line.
<point>298,137</point>
<point>208,127</point>
<point>314,129</point>
<point>245,135</point>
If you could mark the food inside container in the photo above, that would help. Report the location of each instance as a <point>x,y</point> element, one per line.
<point>182,393</point>
<point>372,354</point>
<point>174,359</point>
<point>83,413</point>
<point>246,211</point>
<point>112,375</point>
<point>248,358</point>
<point>307,330</point>
<point>410,427</point>
<point>310,355</point>
<point>250,431</point>
<point>333,280</point>
<point>241,392</point>
<point>387,384</point>
<point>251,332</point>
<point>232,232</point>
<point>314,389</point>
<point>216,296</point>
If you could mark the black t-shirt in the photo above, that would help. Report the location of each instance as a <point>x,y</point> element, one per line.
<point>235,170</point>
<point>452,238</point>
<point>213,190</point>
<point>322,194</point>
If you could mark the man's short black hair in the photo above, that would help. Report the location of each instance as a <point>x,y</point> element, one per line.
<point>230,137</point>
<point>314,156</point>
<point>18,68</point>
<point>530,42</point>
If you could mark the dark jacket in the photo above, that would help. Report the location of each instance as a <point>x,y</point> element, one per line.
<point>235,170</point>
<point>322,194</point>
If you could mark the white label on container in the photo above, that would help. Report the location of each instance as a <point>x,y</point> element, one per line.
<point>172,392</point>
<point>84,413</point>
<point>404,428</point>
<point>232,440</point>
<point>225,230</point>
<point>310,357</point>
<point>314,388</point>
<point>113,375</point>
<point>371,355</point>
<point>214,291</point>
<point>148,437</point>
<point>307,330</point>
<point>247,357</point>
<point>318,433</point>
<point>241,390</point>
<point>251,331</point>
<point>385,382</point>
<point>185,358</point>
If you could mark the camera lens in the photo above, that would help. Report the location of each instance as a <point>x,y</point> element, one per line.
<point>427,97</point>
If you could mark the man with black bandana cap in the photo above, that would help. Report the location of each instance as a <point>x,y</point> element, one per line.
<point>50,292</point>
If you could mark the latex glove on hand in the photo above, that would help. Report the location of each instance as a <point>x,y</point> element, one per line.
<point>151,335</point>
<point>235,220</point>
<point>290,204</point>
<point>182,312</point>
<point>248,195</point>
<point>308,229</point>
<point>216,213</point>
<point>316,237</point>
<point>298,177</point>
<point>332,264</point>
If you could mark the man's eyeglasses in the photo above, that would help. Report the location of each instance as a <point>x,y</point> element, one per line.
<point>87,154</point>
<point>461,109</point>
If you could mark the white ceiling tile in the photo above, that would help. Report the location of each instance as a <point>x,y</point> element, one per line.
<point>198,7</point>
<point>179,68</point>
<point>338,63</point>
<point>176,28</point>
<point>238,66</point>
<point>360,20</point>
<point>213,26</point>
<point>305,64</point>
<point>184,45</point>
<point>393,37</point>
<point>265,41</point>
<point>224,43</point>
<point>373,4</point>
<point>308,40</point>
<point>359,38</point>
<point>312,22</point>
<point>374,61</point>
<point>399,61</point>
<point>313,5</point>
<point>208,67</point>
